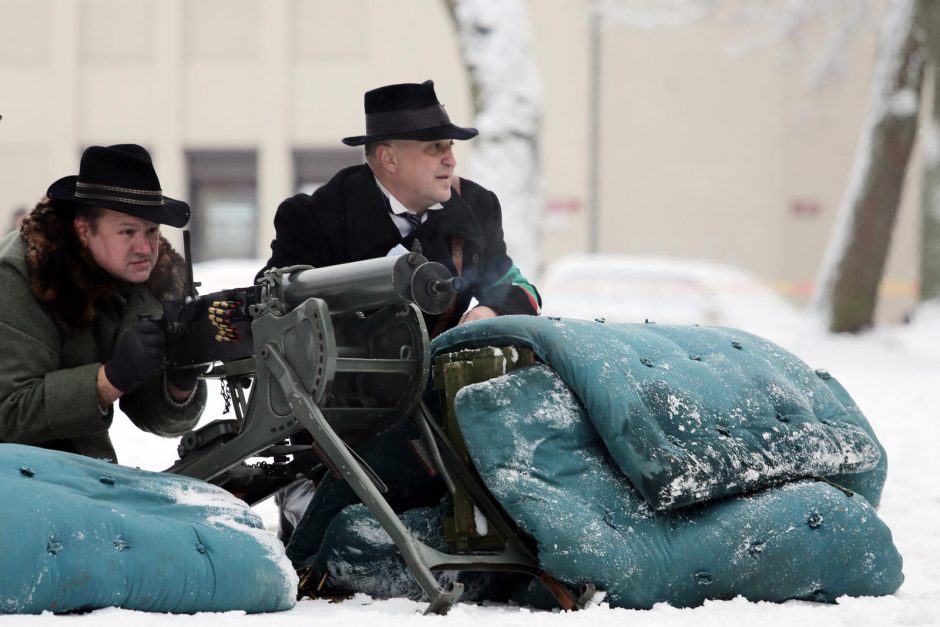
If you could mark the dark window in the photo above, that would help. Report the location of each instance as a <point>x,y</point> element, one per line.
<point>223,190</point>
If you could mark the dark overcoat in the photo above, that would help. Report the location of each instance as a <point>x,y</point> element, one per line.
<point>347,220</point>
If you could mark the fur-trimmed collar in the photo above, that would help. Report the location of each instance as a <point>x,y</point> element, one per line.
<point>63,275</point>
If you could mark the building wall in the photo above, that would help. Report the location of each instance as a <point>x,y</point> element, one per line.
<point>737,156</point>
<point>702,153</point>
<point>205,75</point>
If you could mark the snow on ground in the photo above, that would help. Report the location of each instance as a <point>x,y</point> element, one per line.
<point>893,373</point>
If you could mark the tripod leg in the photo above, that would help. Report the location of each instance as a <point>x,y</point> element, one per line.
<point>417,555</point>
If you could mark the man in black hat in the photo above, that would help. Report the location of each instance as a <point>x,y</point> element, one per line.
<point>81,280</point>
<point>406,193</point>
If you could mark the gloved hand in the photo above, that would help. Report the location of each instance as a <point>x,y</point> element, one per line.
<point>183,379</point>
<point>137,356</point>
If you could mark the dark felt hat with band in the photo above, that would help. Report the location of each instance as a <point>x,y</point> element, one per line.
<point>121,178</point>
<point>407,111</point>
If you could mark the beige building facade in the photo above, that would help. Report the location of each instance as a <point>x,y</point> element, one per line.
<point>699,152</point>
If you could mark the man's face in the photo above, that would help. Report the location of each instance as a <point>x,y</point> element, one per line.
<point>423,172</point>
<point>123,246</point>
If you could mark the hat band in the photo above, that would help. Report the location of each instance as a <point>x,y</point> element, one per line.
<point>128,195</point>
<point>385,122</point>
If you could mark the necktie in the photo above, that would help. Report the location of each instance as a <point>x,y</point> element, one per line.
<point>414,220</point>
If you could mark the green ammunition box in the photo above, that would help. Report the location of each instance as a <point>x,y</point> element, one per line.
<point>464,526</point>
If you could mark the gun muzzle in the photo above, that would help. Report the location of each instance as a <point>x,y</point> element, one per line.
<point>434,289</point>
<point>453,285</point>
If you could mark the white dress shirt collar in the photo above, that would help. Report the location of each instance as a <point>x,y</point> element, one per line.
<point>404,227</point>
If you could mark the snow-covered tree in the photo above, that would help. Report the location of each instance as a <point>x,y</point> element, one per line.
<point>847,289</point>
<point>496,46</point>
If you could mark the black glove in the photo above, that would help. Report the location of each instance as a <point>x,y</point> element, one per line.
<point>137,356</point>
<point>183,379</point>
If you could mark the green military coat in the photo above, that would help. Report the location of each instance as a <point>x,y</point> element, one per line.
<point>48,391</point>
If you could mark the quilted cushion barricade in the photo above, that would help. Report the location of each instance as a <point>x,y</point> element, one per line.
<point>543,461</point>
<point>547,461</point>
<point>537,453</point>
<point>79,534</point>
<point>695,413</point>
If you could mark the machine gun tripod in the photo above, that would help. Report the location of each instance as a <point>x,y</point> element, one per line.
<point>342,353</point>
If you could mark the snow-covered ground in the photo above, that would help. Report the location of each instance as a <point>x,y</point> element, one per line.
<point>892,372</point>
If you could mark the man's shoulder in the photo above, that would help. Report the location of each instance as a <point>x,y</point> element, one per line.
<point>18,298</point>
<point>13,252</point>
<point>330,194</point>
<point>466,187</point>
<point>477,196</point>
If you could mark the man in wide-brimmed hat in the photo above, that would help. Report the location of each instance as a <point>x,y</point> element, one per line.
<point>81,280</point>
<point>407,192</point>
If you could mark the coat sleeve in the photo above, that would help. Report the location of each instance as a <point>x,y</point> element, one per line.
<point>39,401</point>
<point>503,287</point>
<point>150,408</point>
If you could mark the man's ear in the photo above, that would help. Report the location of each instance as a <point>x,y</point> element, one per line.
<point>387,157</point>
<point>82,228</point>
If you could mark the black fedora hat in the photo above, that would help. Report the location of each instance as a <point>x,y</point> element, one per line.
<point>121,178</point>
<point>407,111</point>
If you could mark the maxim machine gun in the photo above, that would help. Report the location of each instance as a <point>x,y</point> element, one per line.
<point>341,353</point>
